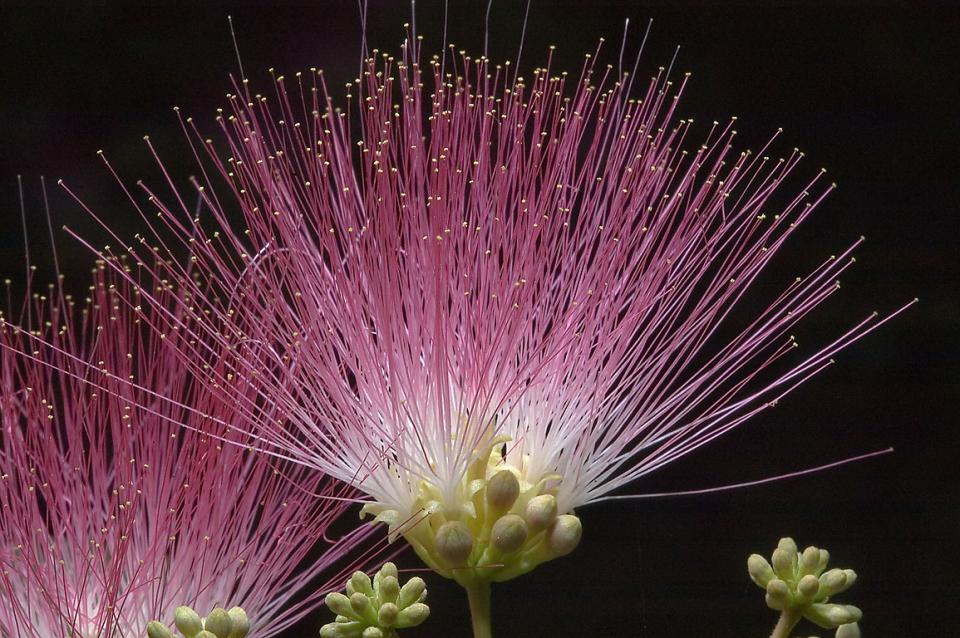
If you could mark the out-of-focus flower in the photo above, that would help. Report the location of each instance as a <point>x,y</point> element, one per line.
<point>111,515</point>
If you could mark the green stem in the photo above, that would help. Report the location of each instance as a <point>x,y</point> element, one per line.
<point>788,620</point>
<point>478,593</point>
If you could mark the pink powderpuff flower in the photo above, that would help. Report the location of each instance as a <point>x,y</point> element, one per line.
<point>111,515</point>
<point>483,299</point>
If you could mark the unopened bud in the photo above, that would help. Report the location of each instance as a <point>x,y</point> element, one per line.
<point>778,594</point>
<point>454,542</point>
<point>372,632</point>
<point>412,616</point>
<point>808,586</point>
<point>157,629</point>
<point>361,583</point>
<point>541,512</point>
<point>503,488</point>
<point>824,560</point>
<point>359,603</point>
<point>330,630</point>
<point>206,634</point>
<point>760,570</point>
<point>564,535</point>
<point>831,616</point>
<point>389,589</point>
<point>784,563</point>
<point>388,569</point>
<point>833,582</point>
<point>788,545</point>
<point>851,630</point>
<point>239,621</point>
<point>509,533</point>
<point>851,577</point>
<point>339,604</point>
<point>218,623</point>
<point>809,560</point>
<point>387,617</point>
<point>411,591</point>
<point>187,621</point>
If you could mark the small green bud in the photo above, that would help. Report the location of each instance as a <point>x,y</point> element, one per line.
<point>809,561</point>
<point>330,630</point>
<point>788,545</point>
<point>412,616</point>
<point>830,616</point>
<point>157,629</point>
<point>372,632</point>
<point>339,604</point>
<point>564,535</point>
<point>359,603</point>
<point>218,623</point>
<point>361,583</point>
<point>187,621</point>
<point>411,591</point>
<point>388,569</point>
<point>833,582</point>
<point>760,570</point>
<point>778,594</point>
<point>851,630</point>
<point>784,563</point>
<point>824,560</point>
<point>454,542</point>
<point>206,634</point>
<point>541,512</point>
<point>851,577</point>
<point>503,488</point>
<point>509,533</point>
<point>388,615</point>
<point>808,586</point>
<point>389,589</point>
<point>240,622</point>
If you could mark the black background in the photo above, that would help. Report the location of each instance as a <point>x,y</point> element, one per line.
<point>867,90</point>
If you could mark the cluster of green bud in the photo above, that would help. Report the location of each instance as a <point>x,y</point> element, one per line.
<point>501,527</point>
<point>377,608</point>
<point>799,583</point>
<point>219,623</point>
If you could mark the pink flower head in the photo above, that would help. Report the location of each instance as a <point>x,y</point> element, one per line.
<point>458,260</point>
<point>111,515</point>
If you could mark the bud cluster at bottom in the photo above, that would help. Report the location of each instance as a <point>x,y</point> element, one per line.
<point>376,608</point>
<point>219,623</point>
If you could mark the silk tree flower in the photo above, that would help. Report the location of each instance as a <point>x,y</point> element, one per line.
<point>484,300</point>
<point>111,515</point>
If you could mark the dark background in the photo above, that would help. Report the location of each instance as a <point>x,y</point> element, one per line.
<point>867,90</point>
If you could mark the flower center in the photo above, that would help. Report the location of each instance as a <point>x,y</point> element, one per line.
<point>500,526</point>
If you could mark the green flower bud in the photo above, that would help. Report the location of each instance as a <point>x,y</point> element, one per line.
<point>760,570</point>
<point>541,512</point>
<point>851,630</point>
<point>833,582</point>
<point>339,604</point>
<point>187,621</point>
<point>784,563</point>
<point>830,616</point>
<point>359,603</point>
<point>218,623</point>
<point>330,630</point>
<point>411,592</point>
<point>851,577</point>
<point>240,622</point>
<point>564,535</point>
<point>412,616</point>
<point>503,488</point>
<point>388,615</point>
<point>388,569</point>
<point>808,586</point>
<point>206,634</point>
<point>788,545</point>
<point>389,589</point>
<point>454,542</point>
<point>372,632</point>
<point>809,561</point>
<point>824,559</point>
<point>509,533</point>
<point>157,629</point>
<point>361,583</point>
<point>778,594</point>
